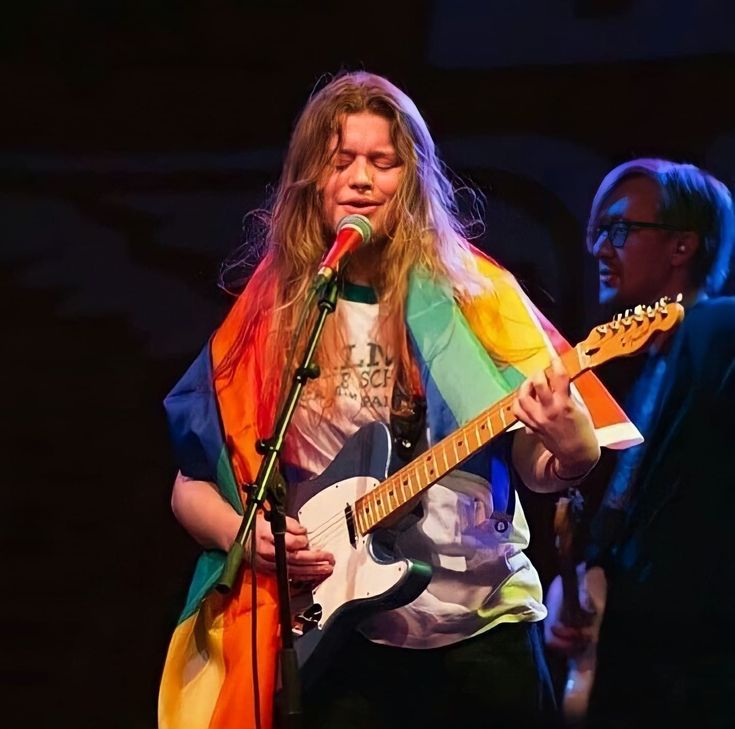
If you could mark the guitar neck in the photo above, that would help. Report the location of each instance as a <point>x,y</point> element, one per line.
<point>572,613</point>
<point>377,507</point>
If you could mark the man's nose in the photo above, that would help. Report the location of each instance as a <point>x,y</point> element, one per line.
<point>602,247</point>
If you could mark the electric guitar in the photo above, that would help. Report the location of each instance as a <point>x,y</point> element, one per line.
<point>347,507</point>
<point>580,666</point>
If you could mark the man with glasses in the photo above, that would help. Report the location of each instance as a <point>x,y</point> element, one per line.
<point>663,539</point>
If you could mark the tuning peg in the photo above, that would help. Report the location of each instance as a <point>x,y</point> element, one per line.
<point>601,328</point>
<point>638,313</point>
<point>651,312</point>
<point>679,298</point>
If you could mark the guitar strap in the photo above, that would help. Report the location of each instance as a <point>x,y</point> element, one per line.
<point>408,423</point>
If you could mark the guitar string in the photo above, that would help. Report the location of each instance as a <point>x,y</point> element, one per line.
<point>329,520</point>
<point>335,519</point>
<point>338,527</point>
<point>465,433</point>
<point>323,530</point>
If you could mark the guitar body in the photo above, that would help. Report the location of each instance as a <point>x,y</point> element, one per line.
<point>578,686</point>
<point>366,576</point>
<point>581,667</point>
<point>582,664</point>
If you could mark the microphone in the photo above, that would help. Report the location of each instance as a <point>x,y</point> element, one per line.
<point>353,231</point>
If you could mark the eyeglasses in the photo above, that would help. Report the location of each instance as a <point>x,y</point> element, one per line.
<point>617,232</point>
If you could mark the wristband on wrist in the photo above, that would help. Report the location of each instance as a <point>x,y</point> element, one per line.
<point>569,479</point>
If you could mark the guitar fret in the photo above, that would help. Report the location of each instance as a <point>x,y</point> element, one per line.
<point>379,502</point>
<point>426,470</point>
<point>403,491</point>
<point>458,445</point>
<point>365,519</point>
<point>406,483</point>
<point>369,512</point>
<point>376,504</point>
<point>430,462</point>
<point>446,460</point>
<point>462,440</point>
<point>358,519</point>
<point>456,458</point>
<point>390,495</point>
<point>413,478</point>
<point>394,495</point>
<point>379,492</point>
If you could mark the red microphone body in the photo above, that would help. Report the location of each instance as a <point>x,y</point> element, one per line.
<point>353,231</point>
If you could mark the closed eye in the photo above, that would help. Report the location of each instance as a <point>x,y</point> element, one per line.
<point>385,161</point>
<point>342,163</point>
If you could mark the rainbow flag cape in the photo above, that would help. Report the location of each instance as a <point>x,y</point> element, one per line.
<point>469,356</point>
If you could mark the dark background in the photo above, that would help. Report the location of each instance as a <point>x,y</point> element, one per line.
<point>133,137</point>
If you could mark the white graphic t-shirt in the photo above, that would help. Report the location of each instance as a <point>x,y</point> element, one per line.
<point>361,388</point>
<point>481,577</point>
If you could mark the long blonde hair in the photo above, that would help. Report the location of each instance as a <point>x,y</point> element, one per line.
<point>423,222</point>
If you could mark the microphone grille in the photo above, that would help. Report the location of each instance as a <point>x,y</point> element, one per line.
<point>359,223</point>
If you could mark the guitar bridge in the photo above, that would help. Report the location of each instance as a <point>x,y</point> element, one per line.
<point>306,620</point>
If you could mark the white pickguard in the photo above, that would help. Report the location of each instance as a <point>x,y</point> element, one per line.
<point>357,574</point>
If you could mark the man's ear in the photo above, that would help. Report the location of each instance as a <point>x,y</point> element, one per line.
<point>686,245</point>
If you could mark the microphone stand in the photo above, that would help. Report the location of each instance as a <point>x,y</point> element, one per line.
<point>270,486</point>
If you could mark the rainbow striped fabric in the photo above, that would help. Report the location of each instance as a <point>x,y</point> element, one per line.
<point>490,343</point>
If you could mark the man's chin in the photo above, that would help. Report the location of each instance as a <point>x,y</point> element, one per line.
<point>608,296</point>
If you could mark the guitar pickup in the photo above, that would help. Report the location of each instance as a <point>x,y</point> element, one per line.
<point>350,521</point>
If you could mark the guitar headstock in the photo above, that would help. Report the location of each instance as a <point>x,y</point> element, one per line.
<point>629,332</point>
